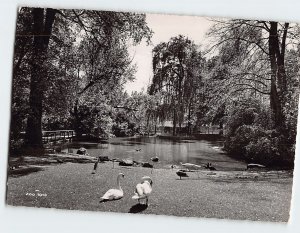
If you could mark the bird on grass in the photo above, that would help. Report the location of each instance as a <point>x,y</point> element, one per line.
<point>59,160</point>
<point>210,167</point>
<point>181,173</point>
<point>146,164</point>
<point>114,160</point>
<point>95,166</point>
<point>143,189</point>
<point>13,167</point>
<point>155,159</point>
<point>114,194</point>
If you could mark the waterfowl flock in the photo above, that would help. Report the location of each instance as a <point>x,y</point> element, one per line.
<point>144,188</point>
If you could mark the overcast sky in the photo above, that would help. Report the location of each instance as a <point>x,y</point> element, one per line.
<point>164,27</point>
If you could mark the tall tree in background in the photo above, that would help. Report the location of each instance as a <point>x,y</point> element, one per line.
<point>257,64</point>
<point>255,76</point>
<point>176,68</point>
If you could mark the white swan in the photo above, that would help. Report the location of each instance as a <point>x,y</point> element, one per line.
<point>143,189</point>
<point>114,194</point>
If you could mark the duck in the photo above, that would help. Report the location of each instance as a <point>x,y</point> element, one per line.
<point>210,167</point>
<point>190,166</point>
<point>114,194</point>
<point>13,167</point>
<point>59,160</point>
<point>173,166</point>
<point>155,159</point>
<point>146,164</point>
<point>143,189</point>
<point>181,173</point>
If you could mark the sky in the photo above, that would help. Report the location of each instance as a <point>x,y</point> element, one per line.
<point>164,27</point>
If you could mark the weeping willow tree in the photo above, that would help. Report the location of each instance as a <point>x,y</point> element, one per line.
<point>177,75</point>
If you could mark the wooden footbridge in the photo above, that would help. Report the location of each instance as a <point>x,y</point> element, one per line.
<point>58,135</point>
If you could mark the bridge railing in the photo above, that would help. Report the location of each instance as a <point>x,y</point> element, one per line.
<point>57,135</point>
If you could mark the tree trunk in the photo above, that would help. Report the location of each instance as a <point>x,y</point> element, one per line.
<point>174,122</point>
<point>42,27</point>
<point>189,131</point>
<point>155,128</point>
<point>147,125</point>
<point>278,76</point>
<point>77,120</point>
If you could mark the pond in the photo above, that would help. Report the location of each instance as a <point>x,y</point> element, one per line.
<point>168,151</point>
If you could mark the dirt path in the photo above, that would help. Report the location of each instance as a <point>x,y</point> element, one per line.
<point>261,196</point>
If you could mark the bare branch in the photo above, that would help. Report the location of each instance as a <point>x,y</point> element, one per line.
<point>251,87</point>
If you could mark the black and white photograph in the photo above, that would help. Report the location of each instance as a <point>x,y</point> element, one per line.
<point>153,114</point>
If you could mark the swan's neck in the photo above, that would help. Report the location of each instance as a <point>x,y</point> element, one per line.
<point>118,182</point>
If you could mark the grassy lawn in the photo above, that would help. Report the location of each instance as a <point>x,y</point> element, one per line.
<point>245,195</point>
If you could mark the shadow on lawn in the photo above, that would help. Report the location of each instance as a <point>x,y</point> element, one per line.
<point>23,171</point>
<point>137,208</point>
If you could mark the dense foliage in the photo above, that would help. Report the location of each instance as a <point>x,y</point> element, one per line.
<point>70,67</point>
<point>250,136</point>
<point>247,84</point>
<point>256,77</point>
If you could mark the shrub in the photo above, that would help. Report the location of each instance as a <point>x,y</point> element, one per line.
<point>262,150</point>
<point>249,136</point>
<point>243,136</point>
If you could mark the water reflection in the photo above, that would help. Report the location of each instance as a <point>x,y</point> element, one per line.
<point>169,151</point>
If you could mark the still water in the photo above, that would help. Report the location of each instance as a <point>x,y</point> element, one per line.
<point>168,151</point>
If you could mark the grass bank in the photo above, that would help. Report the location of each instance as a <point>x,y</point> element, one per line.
<point>242,195</point>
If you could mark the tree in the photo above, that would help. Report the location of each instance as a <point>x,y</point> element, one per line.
<point>21,71</point>
<point>253,78</point>
<point>177,73</point>
<point>258,59</point>
<point>107,29</point>
<point>43,20</point>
